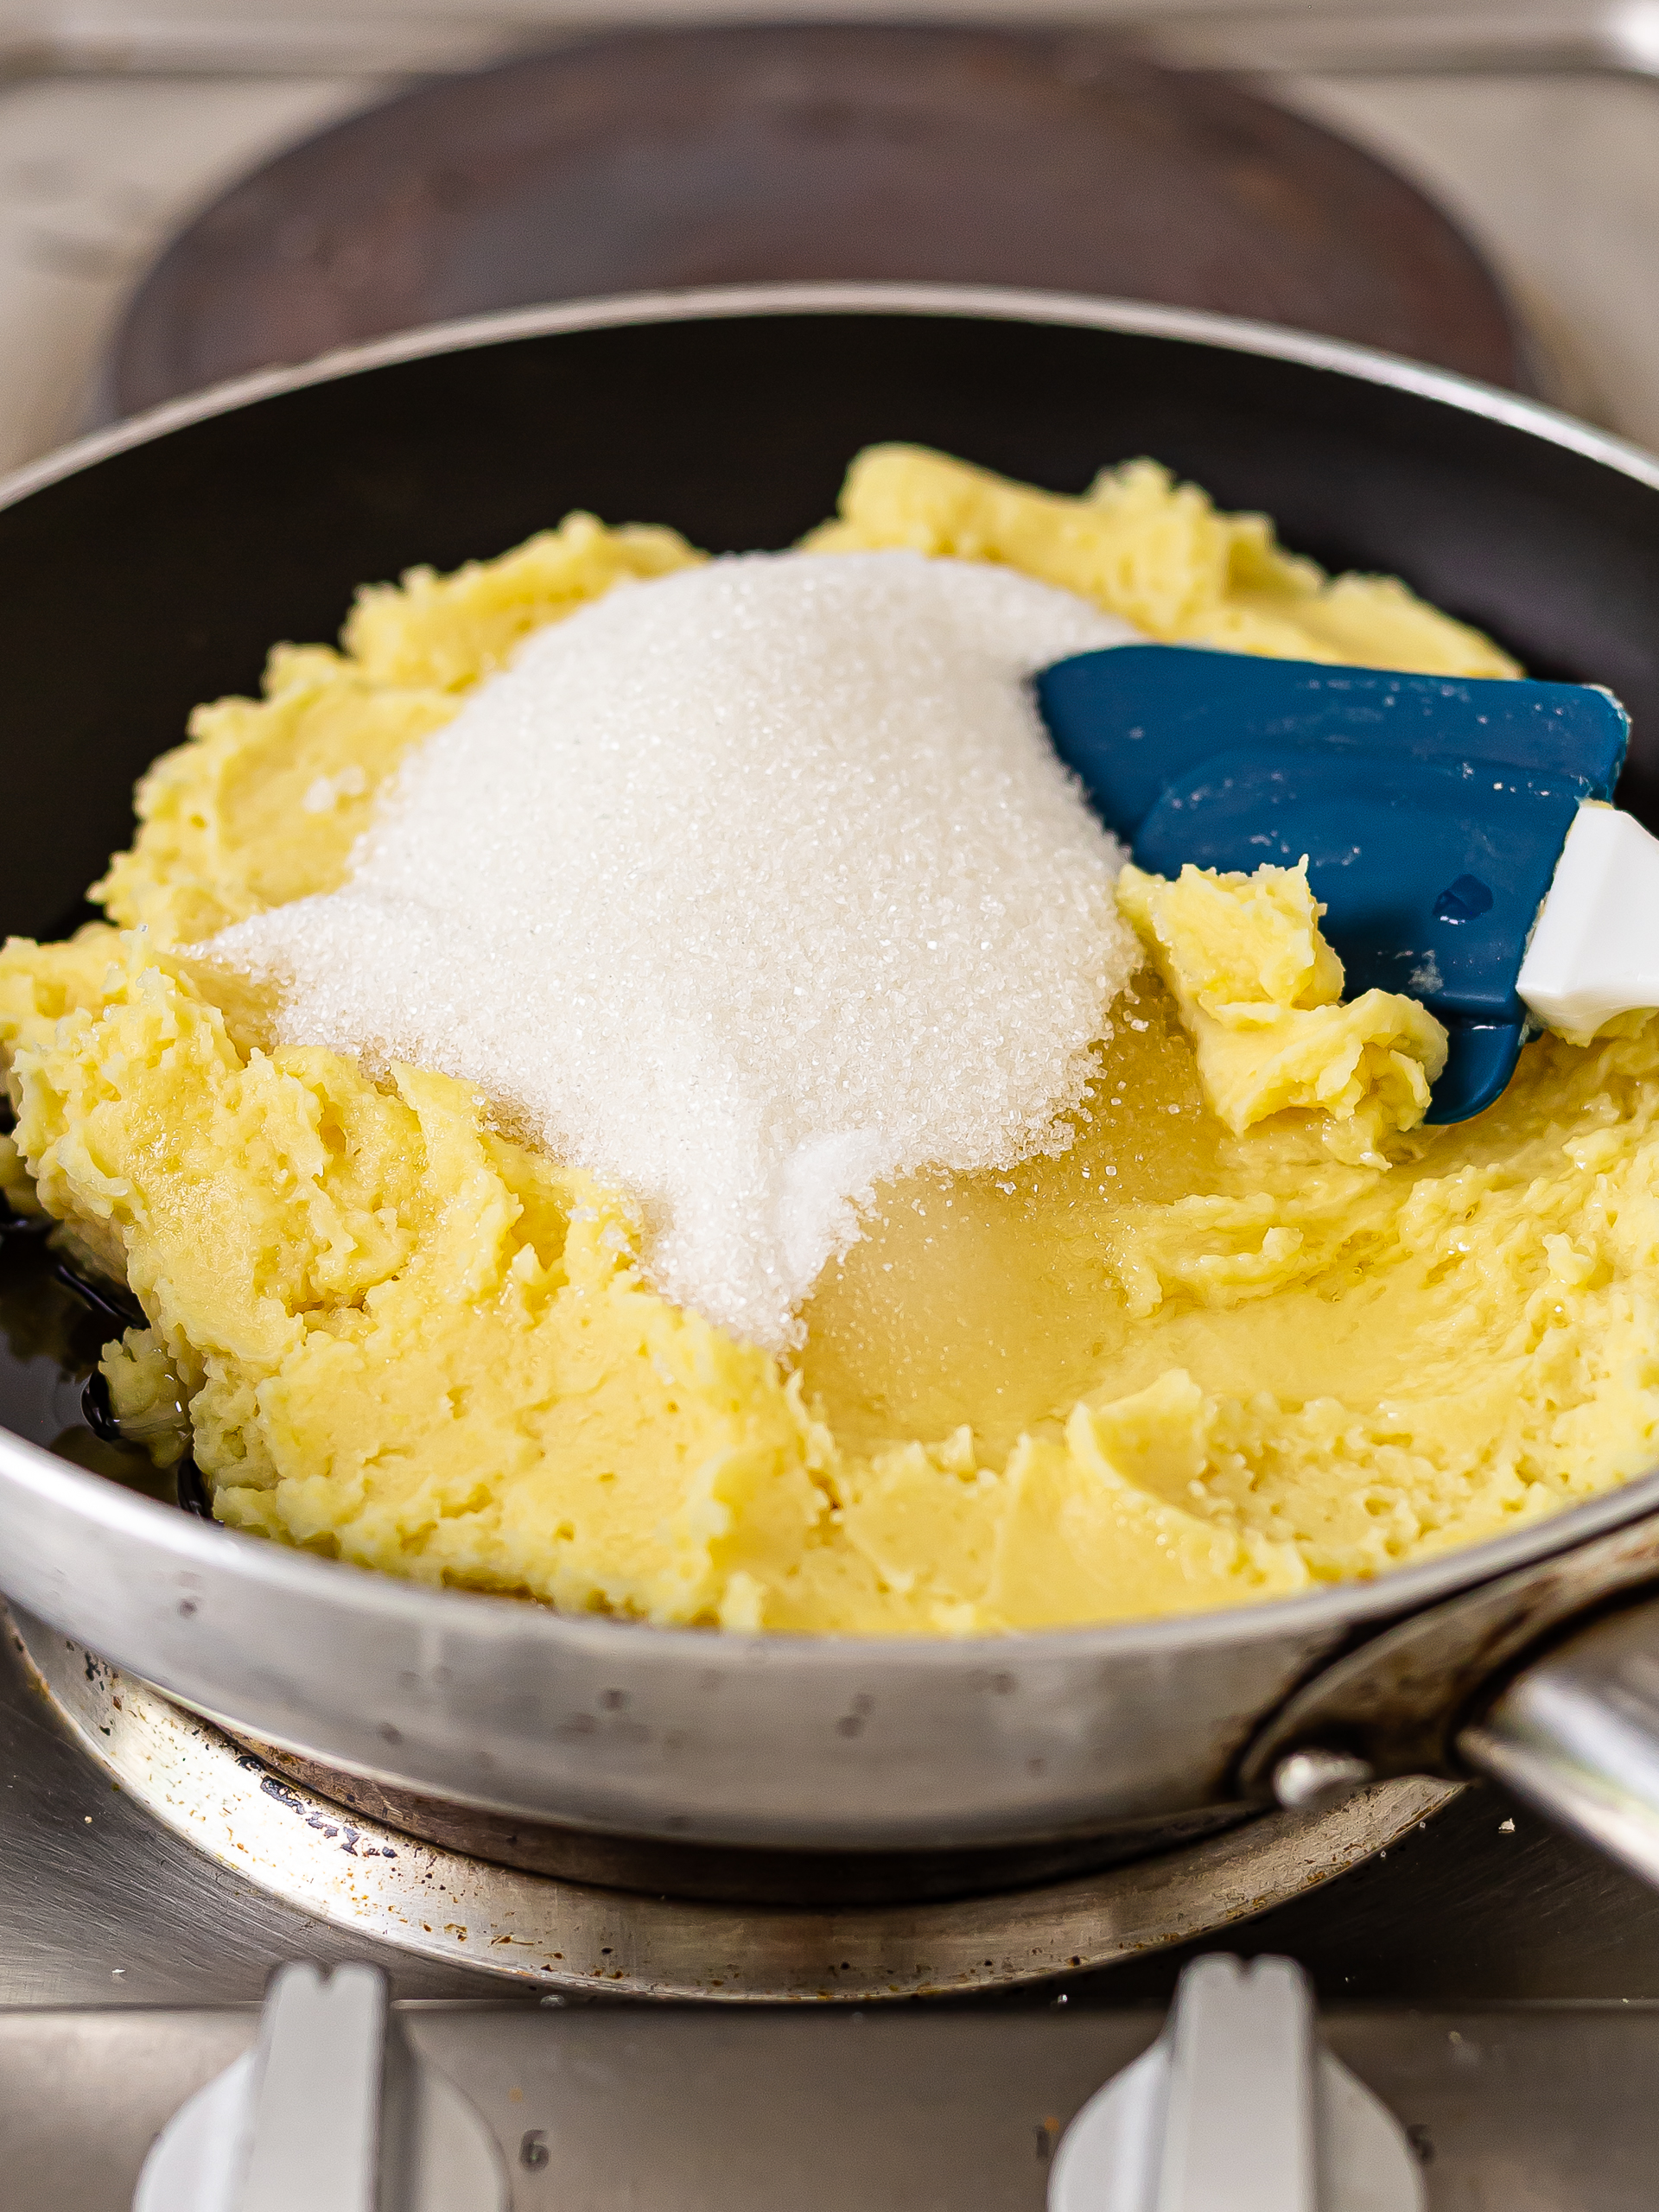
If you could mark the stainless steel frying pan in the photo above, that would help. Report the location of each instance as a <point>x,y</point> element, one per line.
<point>150,567</point>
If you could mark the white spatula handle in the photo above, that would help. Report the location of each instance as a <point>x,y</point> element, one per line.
<point>1595,951</point>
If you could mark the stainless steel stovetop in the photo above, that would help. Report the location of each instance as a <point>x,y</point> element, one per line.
<point>1496,1984</point>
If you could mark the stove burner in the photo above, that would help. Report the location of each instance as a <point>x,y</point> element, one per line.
<point>716,1873</point>
<point>377,1882</point>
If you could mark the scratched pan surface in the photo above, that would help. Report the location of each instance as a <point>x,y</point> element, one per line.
<point>151,568</point>
<point>650,159</point>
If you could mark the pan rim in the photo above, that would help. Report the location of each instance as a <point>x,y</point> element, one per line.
<point>995,303</point>
<point>189,1544</point>
<point>1335,1606</point>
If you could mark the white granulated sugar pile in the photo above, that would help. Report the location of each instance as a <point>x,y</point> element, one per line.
<point>745,888</point>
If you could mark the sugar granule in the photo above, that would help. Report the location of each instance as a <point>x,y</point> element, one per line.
<point>744,889</point>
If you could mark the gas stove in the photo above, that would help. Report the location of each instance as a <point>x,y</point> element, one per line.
<point>1495,1984</point>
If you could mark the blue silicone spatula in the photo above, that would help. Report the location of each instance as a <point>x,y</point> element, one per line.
<point>1444,822</point>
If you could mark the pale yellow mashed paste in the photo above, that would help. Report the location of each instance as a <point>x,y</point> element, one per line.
<point>1258,1327</point>
<point>1260,992</point>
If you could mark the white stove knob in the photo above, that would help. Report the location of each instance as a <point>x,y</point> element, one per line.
<point>1237,2109</point>
<point>331,2110</point>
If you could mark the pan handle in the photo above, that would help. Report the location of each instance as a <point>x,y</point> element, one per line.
<point>1576,1734</point>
